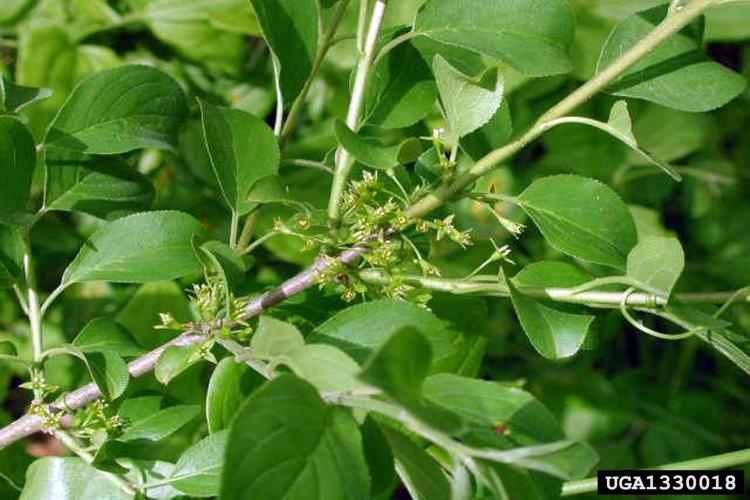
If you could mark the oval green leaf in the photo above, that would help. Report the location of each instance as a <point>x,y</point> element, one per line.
<point>17,162</point>
<point>290,28</point>
<point>136,106</point>
<point>554,333</point>
<point>68,478</point>
<point>242,150</point>
<point>468,103</point>
<point>287,443</point>
<point>657,262</point>
<point>149,246</point>
<point>374,154</point>
<point>532,36</point>
<point>224,394</point>
<point>198,471</point>
<point>676,73</point>
<point>581,217</point>
<point>101,186</point>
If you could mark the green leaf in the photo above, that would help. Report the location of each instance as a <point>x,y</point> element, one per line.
<point>198,471</point>
<point>270,189</point>
<point>676,73</point>
<point>104,187</point>
<point>13,98</point>
<point>400,366</point>
<point>466,61</point>
<point>550,274</point>
<point>68,478</point>
<point>532,36</point>
<point>163,250</point>
<point>242,150</point>
<point>374,154</point>
<point>581,217</point>
<point>688,132</point>
<point>224,394</point>
<point>494,415</point>
<point>173,361</point>
<point>726,22</point>
<point>648,222</point>
<point>396,98</point>
<point>199,29</point>
<point>106,335</point>
<point>734,346</point>
<point>363,329</point>
<point>233,15</point>
<point>287,443</point>
<point>137,106</point>
<point>714,332</point>
<point>275,338</point>
<point>92,59</point>
<point>109,372</point>
<point>422,476</point>
<point>13,10</point>
<point>12,249</point>
<point>620,127</point>
<point>17,162</point>
<point>147,420</point>
<point>619,120</point>
<point>193,149</point>
<point>324,366</point>
<point>515,482</point>
<point>467,103</point>
<point>657,262</point>
<point>8,348</point>
<point>46,58</point>
<point>554,333</point>
<point>494,134</point>
<point>379,458</point>
<point>290,28</point>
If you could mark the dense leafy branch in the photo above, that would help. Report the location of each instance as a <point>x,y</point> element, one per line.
<point>396,362</point>
<point>310,277</point>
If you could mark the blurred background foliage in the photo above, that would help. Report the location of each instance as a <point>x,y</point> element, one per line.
<point>640,401</point>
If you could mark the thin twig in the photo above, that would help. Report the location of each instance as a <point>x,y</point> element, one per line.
<point>31,424</point>
<point>723,461</point>
<point>325,44</point>
<point>344,161</point>
<point>301,162</point>
<point>496,288</point>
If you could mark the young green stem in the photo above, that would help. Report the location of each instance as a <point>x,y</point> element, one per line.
<point>35,317</point>
<point>568,295</point>
<point>299,103</point>
<point>233,228</point>
<point>255,244</point>
<point>344,161</point>
<point>402,38</point>
<point>248,229</point>
<point>714,462</point>
<point>671,25</point>
<point>301,162</point>
<point>51,298</point>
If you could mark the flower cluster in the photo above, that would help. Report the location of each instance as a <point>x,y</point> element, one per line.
<point>97,424</point>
